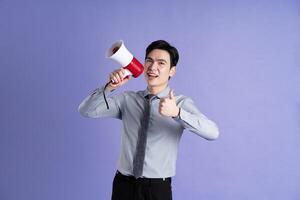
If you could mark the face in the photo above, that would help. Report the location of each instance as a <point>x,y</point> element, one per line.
<point>158,68</point>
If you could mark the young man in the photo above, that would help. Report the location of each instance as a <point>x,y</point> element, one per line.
<point>153,122</point>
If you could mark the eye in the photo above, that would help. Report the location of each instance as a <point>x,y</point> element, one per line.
<point>162,63</point>
<point>149,61</point>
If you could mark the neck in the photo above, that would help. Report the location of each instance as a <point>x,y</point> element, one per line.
<point>156,89</point>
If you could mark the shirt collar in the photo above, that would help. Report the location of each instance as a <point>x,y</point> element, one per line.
<point>162,94</point>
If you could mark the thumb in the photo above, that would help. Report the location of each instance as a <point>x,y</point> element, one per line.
<point>171,94</point>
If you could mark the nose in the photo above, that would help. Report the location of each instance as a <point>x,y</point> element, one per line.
<point>152,66</point>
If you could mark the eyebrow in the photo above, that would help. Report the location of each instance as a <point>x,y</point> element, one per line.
<point>160,59</point>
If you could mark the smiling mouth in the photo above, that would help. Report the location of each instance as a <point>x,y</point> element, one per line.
<point>152,75</point>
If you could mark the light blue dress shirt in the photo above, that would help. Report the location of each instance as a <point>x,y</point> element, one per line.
<point>163,135</point>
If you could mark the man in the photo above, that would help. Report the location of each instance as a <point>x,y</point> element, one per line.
<point>153,122</point>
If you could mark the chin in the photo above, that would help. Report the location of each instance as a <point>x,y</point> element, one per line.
<point>152,83</point>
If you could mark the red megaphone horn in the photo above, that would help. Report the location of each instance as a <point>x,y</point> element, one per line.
<point>120,53</point>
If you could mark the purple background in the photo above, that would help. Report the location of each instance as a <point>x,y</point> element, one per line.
<point>239,61</point>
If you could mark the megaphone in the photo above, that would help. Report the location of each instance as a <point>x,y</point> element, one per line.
<point>120,53</point>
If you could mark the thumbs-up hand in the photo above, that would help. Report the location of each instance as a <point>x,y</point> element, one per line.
<point>168,107</point>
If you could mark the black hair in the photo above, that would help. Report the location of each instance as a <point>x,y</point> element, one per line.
<point>164,45</point>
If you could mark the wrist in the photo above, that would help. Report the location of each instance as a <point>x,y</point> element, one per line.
<point>110,88</point>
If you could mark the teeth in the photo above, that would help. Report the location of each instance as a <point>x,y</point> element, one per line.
<point>154,75</point>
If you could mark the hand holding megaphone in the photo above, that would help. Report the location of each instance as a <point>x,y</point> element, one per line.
<point>117,78</point>
<point>130,65</point>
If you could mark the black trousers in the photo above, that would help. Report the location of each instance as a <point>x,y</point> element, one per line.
<point>130,188</point>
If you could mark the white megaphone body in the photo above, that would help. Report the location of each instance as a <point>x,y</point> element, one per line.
<point>119,53</point>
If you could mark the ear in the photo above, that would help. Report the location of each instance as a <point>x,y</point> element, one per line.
<point>172,71</point>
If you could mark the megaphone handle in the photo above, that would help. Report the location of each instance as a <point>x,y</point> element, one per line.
<point>127,73</point>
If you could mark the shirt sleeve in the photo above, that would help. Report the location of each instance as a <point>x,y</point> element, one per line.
<point>193,120</point>
<point>94,106</point>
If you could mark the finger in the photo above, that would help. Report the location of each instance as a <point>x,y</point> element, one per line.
<point>123,71</point>
<point>114,80</point>
<point>171,94</point>
<point>121,75</point>
<point>111,78</point>
<point>117,76</point>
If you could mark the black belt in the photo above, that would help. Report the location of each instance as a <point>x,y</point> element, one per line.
<point>142,179</point>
